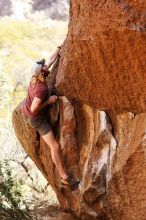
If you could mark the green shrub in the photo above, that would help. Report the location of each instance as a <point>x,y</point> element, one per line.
<point>12,206</point>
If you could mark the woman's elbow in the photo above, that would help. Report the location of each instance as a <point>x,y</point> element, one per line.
<point>35,105</point>
<point>33,109</point>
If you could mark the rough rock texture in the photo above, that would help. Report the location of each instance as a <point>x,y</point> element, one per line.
<point>103,63</point>
<point>111,167</point>
<point>100,119</point>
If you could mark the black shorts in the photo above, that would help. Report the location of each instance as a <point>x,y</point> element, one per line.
<point>41,125</point>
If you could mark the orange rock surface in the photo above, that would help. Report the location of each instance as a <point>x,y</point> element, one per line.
<point>100,119</point>
<point>103,62</point>
<point>107,156</point>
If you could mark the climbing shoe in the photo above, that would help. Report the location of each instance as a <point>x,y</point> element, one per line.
<point>70,182</point>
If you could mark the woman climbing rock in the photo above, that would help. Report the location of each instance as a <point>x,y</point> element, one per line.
<point>34,111</point>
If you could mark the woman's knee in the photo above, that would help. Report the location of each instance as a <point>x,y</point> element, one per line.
<point>50,139</point>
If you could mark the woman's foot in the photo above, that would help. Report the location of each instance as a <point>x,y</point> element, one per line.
<point>69,181</point>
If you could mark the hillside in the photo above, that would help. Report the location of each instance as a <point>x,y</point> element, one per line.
<point>53,9</point>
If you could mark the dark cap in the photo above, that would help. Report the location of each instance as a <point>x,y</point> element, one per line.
<point>41,62</point>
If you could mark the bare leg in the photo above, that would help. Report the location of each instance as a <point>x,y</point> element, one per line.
<point>55,152</point>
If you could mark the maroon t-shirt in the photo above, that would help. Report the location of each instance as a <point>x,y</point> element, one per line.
<point>41,91</point>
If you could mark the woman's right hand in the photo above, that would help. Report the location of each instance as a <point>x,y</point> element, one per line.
<point>52,99</point>
<point>62,44</point>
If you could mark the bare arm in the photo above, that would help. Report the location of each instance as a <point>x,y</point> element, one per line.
<point>55,54</point>
<point>37,103</point>
<point>53,57</point>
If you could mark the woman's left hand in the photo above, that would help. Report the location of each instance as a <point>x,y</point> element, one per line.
<point>52,99</point>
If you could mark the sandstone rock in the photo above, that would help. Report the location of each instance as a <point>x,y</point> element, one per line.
<point>111,168</point>
<point>103,62</point>
<point>52,213</point>
<point>98,120</point>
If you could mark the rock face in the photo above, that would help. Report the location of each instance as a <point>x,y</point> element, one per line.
<point>103,63</point>
<point>111,165</point>
<point>100,119</point>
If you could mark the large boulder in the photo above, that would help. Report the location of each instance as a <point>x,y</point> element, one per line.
<point>109,160</point>
<point>100,119</point>
<point>103,62</point>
